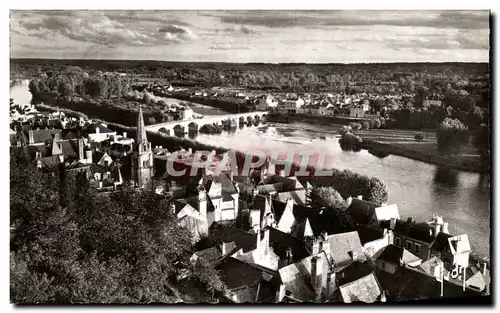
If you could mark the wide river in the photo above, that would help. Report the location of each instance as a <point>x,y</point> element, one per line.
<point>419,189</point>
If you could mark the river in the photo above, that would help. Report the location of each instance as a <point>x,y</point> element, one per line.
<point>419,189</point>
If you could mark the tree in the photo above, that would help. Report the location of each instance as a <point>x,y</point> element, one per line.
<point>325,197</point>
<point>451,134</point>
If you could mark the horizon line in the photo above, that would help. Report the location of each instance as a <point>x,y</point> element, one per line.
<point>243,63</point>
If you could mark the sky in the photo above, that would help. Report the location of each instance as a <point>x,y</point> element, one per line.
<point>253,36</point>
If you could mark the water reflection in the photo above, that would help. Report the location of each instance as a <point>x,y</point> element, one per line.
<point>446,176</point>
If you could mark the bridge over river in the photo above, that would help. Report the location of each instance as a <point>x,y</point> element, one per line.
<point>193,125</point>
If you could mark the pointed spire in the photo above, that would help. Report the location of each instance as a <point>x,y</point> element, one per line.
<point>141,129</point>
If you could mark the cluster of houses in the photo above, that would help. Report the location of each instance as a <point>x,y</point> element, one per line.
<point>324,104</point>
<point>268,244</point>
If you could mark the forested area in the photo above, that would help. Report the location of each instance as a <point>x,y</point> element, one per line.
<point>113,248</point>
<point>350,78</point>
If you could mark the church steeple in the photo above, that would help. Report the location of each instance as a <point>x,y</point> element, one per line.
<point>141,129</point>
<point>142,163</point>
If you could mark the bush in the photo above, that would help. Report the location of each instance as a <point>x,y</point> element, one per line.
<point>420,136</point>
<point>451,134</point>
<point>351,139</point>
<point>366,125</point>
<point>376,123</point>
<point>355,126</point>
<point>345,129</point>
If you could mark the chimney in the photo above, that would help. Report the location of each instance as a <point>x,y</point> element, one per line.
<point>124,134</point>
<point>190,151</point>
<point>280,293</point>
<point>265,241</point>
<point>257,246</point>
<point>88,156</point>
<point>392,223</point>
<point>100,184</point>
<point>30,137</point>
<point>97,130</point>
<point>80,149</point>
<point>213,152</point>
<point>316,276</point>
<point>445,228</point>
<point>223,248</point>
<point>202,201</point>
<point>437,230</point>
<point>360,197</point>
<point>289,256</point>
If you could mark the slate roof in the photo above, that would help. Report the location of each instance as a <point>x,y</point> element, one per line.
<point>237,274</point>
<point>102,129</point>
<point>42,135</point>
<point>415,231</point>
<point>394,255</point>
<point>223,233</point>
<point>367,234</point>
<point>441,243</point>
<point>352,272</point>
<point>297,279</point>
<point>30,151</point>
<point>343,245</point>
<point>365,289</point>
<point>281,241</point>
<point>385,213</point>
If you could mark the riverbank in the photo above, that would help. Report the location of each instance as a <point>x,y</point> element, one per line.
<point>309,118</point>
<point>231,107</point>
<point>402,143</point>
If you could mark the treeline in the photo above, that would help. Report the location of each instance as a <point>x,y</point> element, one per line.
<point>71,245</point>
<point>349,78</point>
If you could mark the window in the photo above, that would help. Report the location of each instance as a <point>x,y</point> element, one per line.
<point>397,241</point>
<point>417,247</point>
<point>409,245</point>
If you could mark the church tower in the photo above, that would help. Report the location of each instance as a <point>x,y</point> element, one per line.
<point>142,164</point>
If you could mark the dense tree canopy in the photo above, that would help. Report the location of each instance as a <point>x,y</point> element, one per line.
<point>111,248</point>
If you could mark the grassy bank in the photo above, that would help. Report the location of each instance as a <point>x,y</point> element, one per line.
<point>403,143</point>
<point>308,118</point>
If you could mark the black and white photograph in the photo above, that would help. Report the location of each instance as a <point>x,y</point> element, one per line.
<point>250,157</point>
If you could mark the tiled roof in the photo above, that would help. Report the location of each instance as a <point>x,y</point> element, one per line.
<point>365,289</point>
<point>342,247</point>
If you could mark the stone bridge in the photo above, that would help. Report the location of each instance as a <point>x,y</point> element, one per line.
<point>193,125</point>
